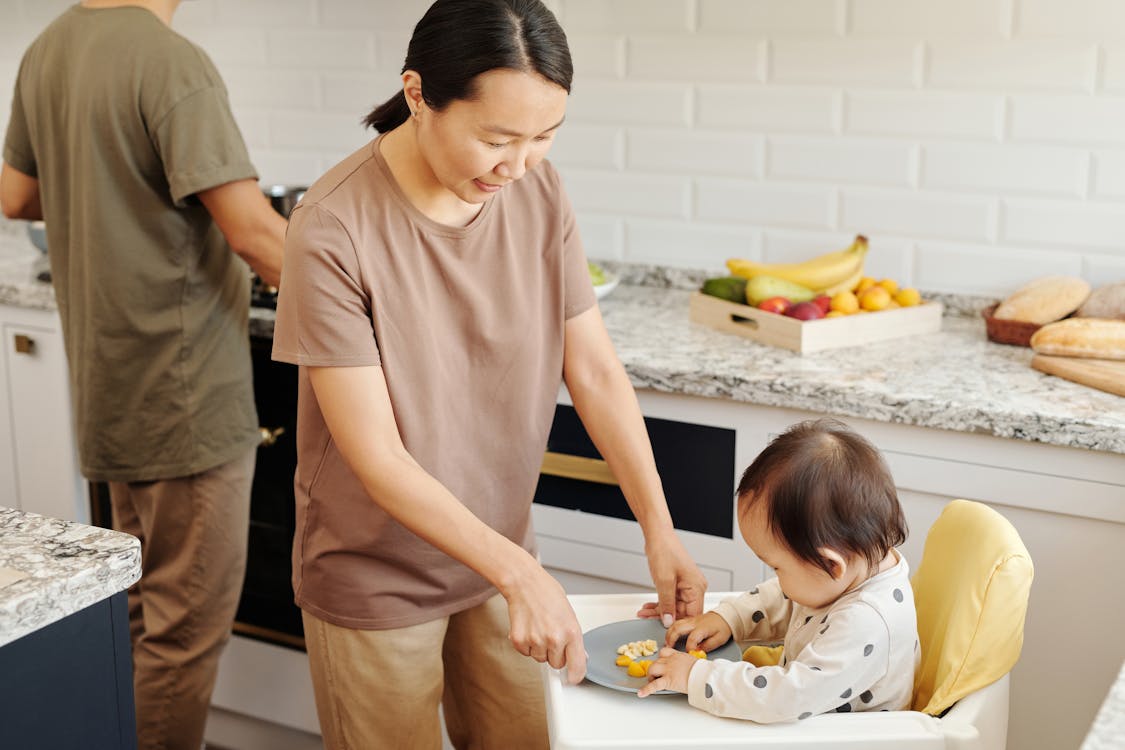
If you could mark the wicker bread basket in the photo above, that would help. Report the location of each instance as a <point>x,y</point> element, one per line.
<point>1013,332</point>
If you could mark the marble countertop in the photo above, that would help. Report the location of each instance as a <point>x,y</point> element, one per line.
<point>59,568</point>
<point>954,379</point>
<point>1108,730</point>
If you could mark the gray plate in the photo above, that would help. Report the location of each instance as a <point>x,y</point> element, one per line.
<point>601,645</point>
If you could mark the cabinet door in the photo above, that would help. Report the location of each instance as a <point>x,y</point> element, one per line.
<point>47,479</point>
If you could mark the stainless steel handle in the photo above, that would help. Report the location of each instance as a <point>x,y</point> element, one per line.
<point>24,344</point>
<point>268,436</point>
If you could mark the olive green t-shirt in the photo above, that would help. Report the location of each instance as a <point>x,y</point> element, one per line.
<point>467,324</point>
<point>122,121</point>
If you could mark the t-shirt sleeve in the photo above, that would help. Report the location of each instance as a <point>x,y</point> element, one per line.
<point>576,275</point>
<point>761,614</point>
<point>323,308</point>
<point>198,140</point>
<point>18,153</point>
<point>835,672</point>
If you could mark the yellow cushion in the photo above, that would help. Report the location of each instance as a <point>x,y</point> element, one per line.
<point>971,592</point>
<point>763,656</point>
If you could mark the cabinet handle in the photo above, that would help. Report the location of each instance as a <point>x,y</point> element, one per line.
<point>24,344</point>
<point>577,467</point>
<point>268,436</point>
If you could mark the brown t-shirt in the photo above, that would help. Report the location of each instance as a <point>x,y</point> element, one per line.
<point>467,324</point>
<point>122,120</point>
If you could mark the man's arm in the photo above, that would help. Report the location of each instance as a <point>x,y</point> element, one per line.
<point>19,194</point>
<point>254,230</point>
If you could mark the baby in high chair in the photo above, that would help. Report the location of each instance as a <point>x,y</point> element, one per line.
<point>819,506</point>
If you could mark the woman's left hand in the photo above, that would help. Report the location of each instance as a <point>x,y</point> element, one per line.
<point>680,584</point>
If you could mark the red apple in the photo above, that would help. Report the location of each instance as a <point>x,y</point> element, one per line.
<point>775,305</point>
<point>805,311</point>
<point>822,301</point>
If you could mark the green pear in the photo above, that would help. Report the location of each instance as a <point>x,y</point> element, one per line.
<point>760,288</point>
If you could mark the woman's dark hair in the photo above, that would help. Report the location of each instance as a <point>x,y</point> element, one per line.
<point>457,40</point>
<point>826,486</point>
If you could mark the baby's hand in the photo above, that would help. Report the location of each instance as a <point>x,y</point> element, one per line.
<point>669,672</point>
<point>707,631</point>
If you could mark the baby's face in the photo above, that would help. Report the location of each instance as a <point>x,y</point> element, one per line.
<point>806,584</point>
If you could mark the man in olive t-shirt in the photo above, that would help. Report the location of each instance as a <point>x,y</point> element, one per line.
<point>121,137</point>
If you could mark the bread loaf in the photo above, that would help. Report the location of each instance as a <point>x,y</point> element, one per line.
<point>1044,300</point>
<point>1105,302</point>
<point>1082,337</point>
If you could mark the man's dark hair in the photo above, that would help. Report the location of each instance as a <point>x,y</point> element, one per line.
<point>825,486</point>
<point>457,40</point>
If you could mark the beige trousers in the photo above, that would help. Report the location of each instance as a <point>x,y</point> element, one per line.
<point>193,534</point>
<point>380,689</point>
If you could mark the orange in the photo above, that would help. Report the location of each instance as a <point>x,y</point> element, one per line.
<point>875,298</point>
<point>890,285</point>
<point>864,284</point>
<point>908,297</point>
<point>844,302</point>
<point>835,314</point>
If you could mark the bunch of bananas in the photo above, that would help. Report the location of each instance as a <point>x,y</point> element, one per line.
<point>828,274</point>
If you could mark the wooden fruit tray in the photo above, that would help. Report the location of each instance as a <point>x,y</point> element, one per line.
<point>805,337</point>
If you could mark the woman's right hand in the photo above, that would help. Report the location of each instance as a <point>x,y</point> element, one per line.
<point>707,631</point>
<point>542,622</point>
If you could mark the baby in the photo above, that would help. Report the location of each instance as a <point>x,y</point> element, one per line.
<point>818,505</point>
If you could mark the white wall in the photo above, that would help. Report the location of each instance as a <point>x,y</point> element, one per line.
<point>979,143</point>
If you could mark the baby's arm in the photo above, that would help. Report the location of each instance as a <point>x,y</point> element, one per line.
<point>834,672</point>
<point>761,614</point>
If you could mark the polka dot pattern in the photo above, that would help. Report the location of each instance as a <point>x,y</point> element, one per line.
<point>846,708</point>
<point>708,690</point>
<point>846,694</point>
<point>804,716</point>
<point>758,616</point>
<point>759,682</point>
<point>866,696</point>
<point>898,595</point>
<point>868,649</point>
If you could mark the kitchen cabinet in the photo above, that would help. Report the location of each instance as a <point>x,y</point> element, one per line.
<point>1067,504</point>
<point>38,459</point>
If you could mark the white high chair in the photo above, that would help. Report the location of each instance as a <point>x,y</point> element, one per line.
<point>971,590</point>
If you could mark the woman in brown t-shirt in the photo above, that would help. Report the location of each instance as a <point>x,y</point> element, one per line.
<point>435,295</point>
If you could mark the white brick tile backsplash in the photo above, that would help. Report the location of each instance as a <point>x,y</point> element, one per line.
<point>597,55</point>
<point>609,103</point>
<point>985,269</point>
<point>763,205</point>
<point>357,93</point>
<point>917,214</point>
<point>851,62</point>
<point>698,58</point>
<point>632,16</point>
<point>1113,76</point>
<point>769,109</point>
<point>978,143</point>
<point>315,130</point>
<point>926,18</point>
<point>838,160</point>
<point>1068,119</point>
<point>1073,18</point>
<point>257,13</point>
<point>1109,175</point>
<point>782,17</point>
<point>694,152</point>
<point>228,48</point>
<point>320,49</point>
<point>1065,224</point>
<point>1028,64</point>
<point>1007,168</point>
<point>594,146</point>
<point>927,113</point>
<point>686,245</point>
<point>251,87</point>
<point>630,194</point>
<point>601,235</point>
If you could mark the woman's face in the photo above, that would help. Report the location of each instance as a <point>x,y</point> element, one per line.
<point>476,147</point>
<point>803,582</point>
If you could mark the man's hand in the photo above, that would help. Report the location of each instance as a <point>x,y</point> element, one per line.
<point>542,622</point>
<point>669,672</point>
<point>680,584</point>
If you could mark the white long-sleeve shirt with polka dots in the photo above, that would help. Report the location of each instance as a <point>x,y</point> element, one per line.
<point>857,654</point>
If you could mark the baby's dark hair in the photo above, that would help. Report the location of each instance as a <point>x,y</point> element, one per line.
<point>826,486</point>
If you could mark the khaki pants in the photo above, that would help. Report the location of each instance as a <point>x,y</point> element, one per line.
<point>379,689</point>
<point>193,534</point>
